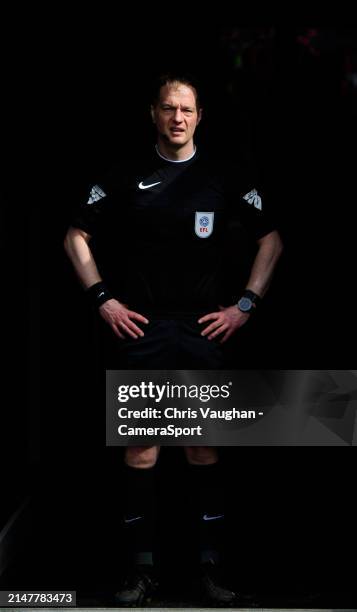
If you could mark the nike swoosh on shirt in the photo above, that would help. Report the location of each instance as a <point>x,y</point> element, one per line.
<point>141,186</point>
<point>206,517</point>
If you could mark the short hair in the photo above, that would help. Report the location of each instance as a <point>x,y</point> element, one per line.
<point>169,78</point>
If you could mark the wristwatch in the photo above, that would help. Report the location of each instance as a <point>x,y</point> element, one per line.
<point>248,301</point>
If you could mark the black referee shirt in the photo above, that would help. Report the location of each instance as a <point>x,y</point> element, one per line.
<point>160,229</point>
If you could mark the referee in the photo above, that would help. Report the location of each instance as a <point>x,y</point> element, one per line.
<point>150,248</point>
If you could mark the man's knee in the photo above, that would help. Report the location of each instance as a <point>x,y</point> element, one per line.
<point>201,455</point>
<point>141,457</point>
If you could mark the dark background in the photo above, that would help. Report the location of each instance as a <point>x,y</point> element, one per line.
<point>284,96</point>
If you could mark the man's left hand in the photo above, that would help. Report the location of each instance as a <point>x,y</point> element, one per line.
<point>226,321</point>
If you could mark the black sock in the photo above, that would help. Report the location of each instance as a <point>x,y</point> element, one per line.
<point>139,514</point>
<point>208,498</point>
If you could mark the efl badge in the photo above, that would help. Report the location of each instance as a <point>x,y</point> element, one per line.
<point>204,224</point>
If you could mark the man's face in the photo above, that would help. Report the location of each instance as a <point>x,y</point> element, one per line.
<point>175,114</point>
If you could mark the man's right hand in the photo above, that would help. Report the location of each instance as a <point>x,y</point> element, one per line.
<point>121,319</point>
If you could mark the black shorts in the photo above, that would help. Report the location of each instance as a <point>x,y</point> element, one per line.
<point>169,343</point>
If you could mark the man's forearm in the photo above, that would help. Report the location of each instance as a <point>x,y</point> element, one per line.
<point>270,249</point>
<point>82,259</point>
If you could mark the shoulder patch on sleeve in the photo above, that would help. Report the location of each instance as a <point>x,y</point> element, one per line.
<point>96,193</point>
<point>252,197</point>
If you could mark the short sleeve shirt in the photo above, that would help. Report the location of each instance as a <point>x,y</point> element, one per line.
<point>160,229</point>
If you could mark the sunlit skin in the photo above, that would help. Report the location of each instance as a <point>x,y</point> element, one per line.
<point>176,117</point>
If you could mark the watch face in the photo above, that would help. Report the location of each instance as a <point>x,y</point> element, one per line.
<point>245,304</point>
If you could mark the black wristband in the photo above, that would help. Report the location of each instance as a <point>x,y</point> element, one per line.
<point>98,294</point>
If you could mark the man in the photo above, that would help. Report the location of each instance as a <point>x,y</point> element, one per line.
<point>161,225</point>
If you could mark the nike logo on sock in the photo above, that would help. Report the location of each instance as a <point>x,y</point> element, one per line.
<point>207,517</point>
<point>130,520</point>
